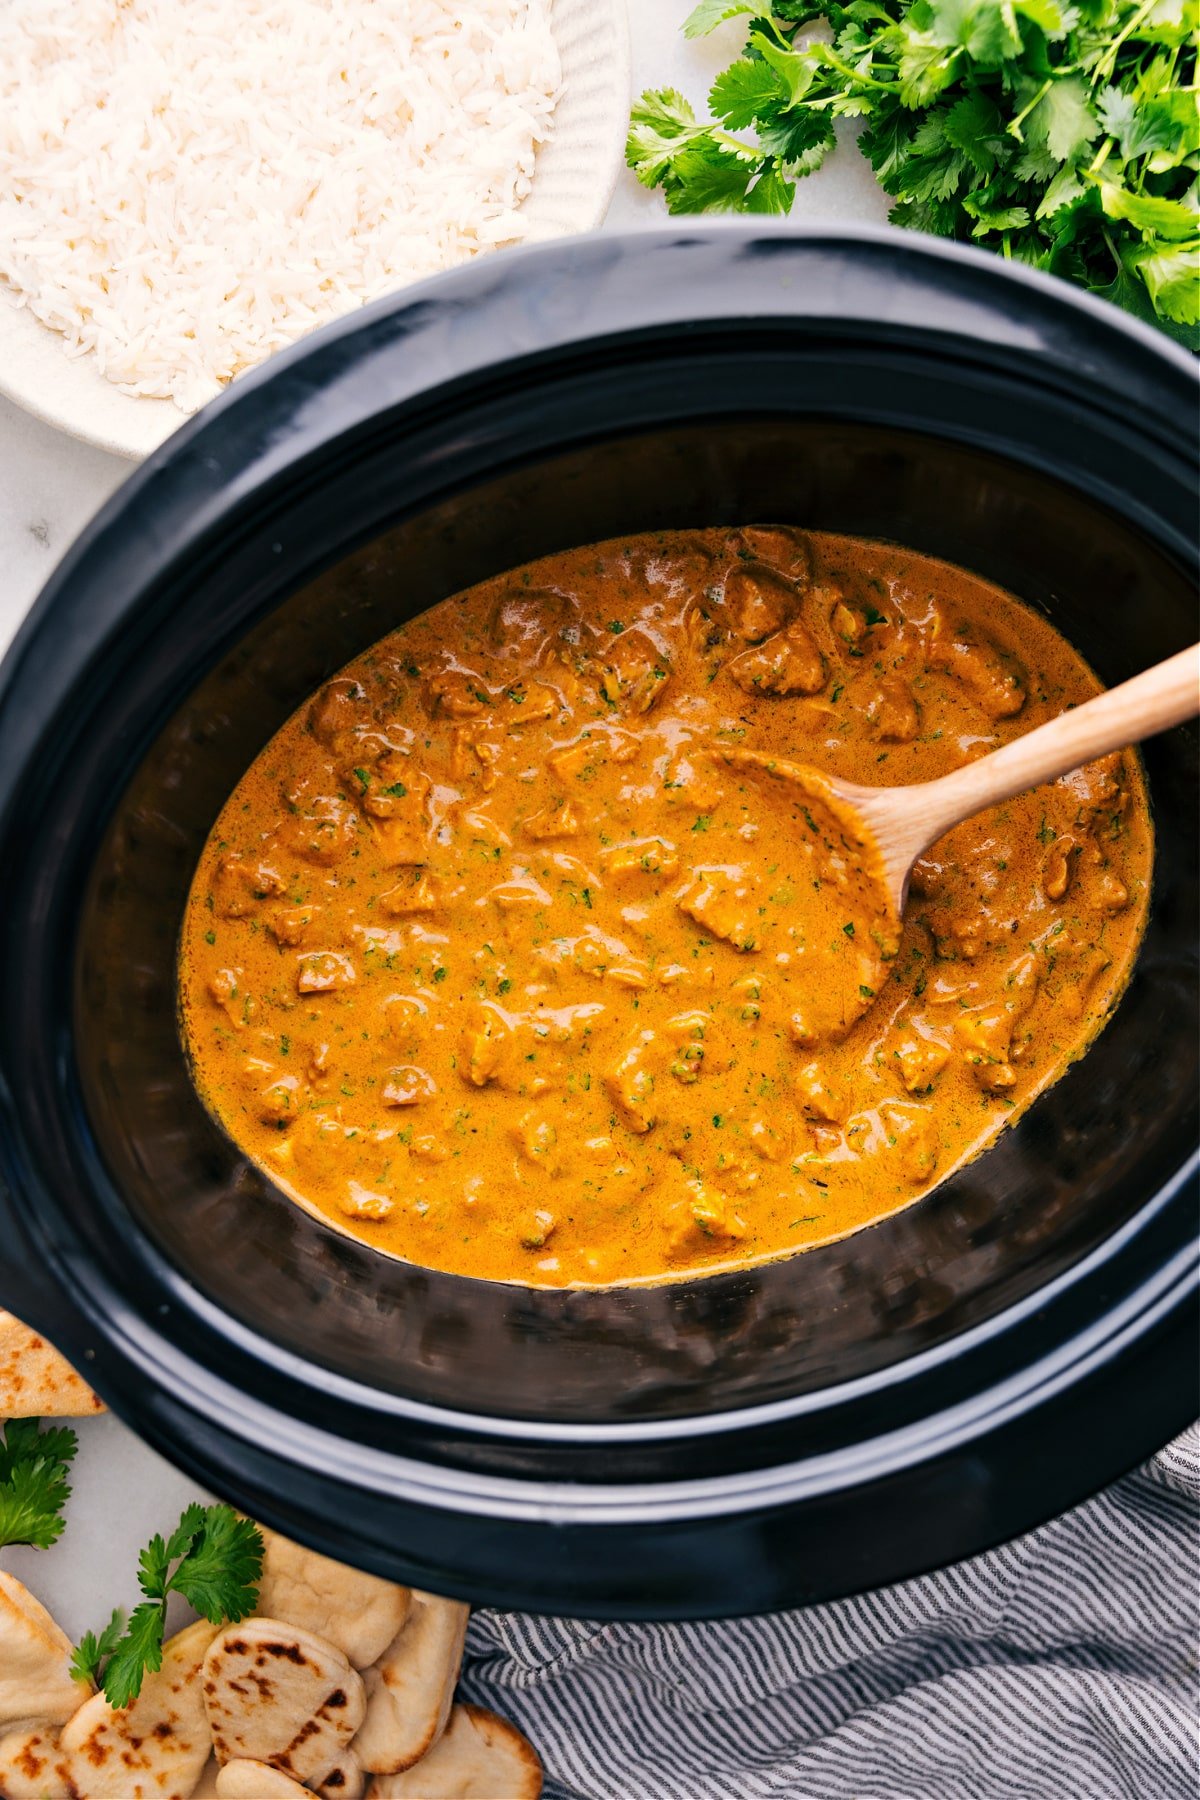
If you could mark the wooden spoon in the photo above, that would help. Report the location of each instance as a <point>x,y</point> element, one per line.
<point>904,821</point>
<point>893,826</point>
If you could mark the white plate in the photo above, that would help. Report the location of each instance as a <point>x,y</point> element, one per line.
<point>573,183</point>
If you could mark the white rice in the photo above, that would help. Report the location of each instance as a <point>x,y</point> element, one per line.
<point>188,185</point>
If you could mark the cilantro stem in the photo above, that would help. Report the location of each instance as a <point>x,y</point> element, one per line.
<point>1101,157</point>
<point>783,37</point>
<point>747,152</point>
<point>830,57</point>
<point>1014,125</point>
<point>1108,61</point>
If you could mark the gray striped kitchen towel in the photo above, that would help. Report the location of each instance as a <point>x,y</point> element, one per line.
<point>1060,1667</point>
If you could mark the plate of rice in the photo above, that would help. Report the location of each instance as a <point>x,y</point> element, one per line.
<point>187,186</point>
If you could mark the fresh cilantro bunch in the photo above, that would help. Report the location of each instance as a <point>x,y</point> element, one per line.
<point>1062,133</point>
<point>213,1558</point>
<point>34,1465</point>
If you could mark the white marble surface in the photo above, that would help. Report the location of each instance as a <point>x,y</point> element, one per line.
<point>49,488</point>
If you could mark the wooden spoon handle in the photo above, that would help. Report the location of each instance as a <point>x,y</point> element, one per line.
<point>1161,697</point>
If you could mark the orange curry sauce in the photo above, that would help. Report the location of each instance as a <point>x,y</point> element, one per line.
<point>495,959</point>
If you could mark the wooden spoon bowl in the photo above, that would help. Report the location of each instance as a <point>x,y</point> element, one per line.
<point>896,825</point>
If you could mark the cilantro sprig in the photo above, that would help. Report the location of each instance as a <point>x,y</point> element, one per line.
<point>34,1465</point>
<point>213,1559</point>
<point>1062,133</point>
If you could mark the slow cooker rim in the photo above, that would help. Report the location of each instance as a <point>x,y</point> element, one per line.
<point>164,1420</point>
<point>69,588</point>
<point>60,587</point>
<point>156,1357</point>
<point>153,1365</point>
<point>240,413</point>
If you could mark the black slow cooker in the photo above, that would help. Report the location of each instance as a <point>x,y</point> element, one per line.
<point>906,1397</point>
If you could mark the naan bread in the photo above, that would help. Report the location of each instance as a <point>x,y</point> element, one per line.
<point>345,1781</point>
<point>32,1767</point>
<point>245,1780</point>
<point>411,1688</point>
<point>35,1662</point>
<point>274,1693</point>
<point>358,1614</point>
<point>158,1745</point>
<point>35,1381</point>
<point>478,1757</point>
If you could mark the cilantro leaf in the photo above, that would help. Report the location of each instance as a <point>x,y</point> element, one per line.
<point>1035,164</point>
<point>30,1505</point>
<point>746,91</point>
<point>803,12</point>
<point>92,1652</point>
<point>1169,128</point>
<point>1138,126</point>
<point>1063,119</point>
<point>1049,17</point>
<point>660,125</point>
<point>887,140</point>
<point>924,68</point>
<point>191,1523</point>
<point>153,1567</point>
<point>710,13</point>
<point>1128,289</point>
<point>1064,133</point>
<point>1065,187</point>
<point>24,1441</point>
<point>939,217</point>
<point>800,139</point>
<point>1165,218</point>
<point>34,1466</point>
<point>136,1652</point>
<point>706,178</point>
<point>1172,278</point>
<point>984,29</point>
<point>771,193</point>
<point>213,1559</point>
<point>793,69</point>
<point>1169,22</point>
<point>219,1574</point>
<point>994,218</point>
<point>973,126</point>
